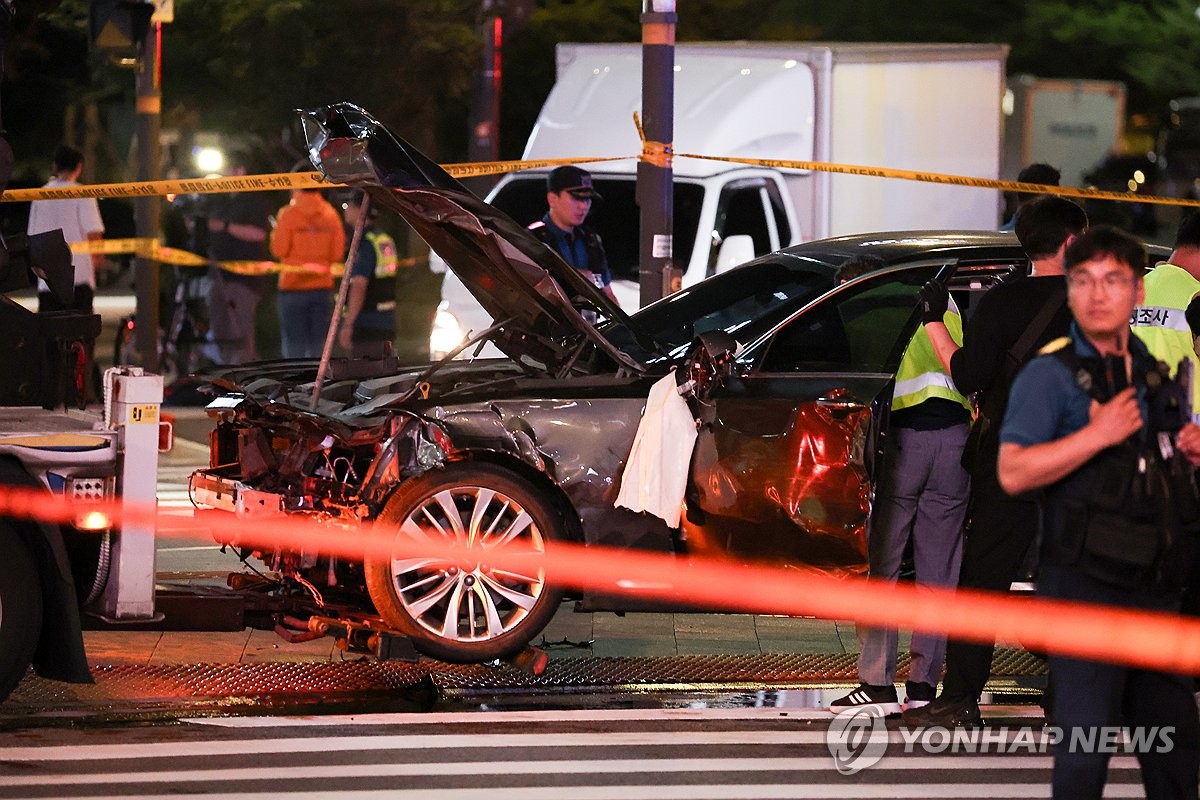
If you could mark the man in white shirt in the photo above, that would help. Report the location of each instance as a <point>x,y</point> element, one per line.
<point>79,219</point>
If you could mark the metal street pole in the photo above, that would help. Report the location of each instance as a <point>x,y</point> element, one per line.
<point>148,209</point>
<point>655,177</point>
<point>484,144</point>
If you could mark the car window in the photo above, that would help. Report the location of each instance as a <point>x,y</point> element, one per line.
<point>745,302</point>
<point>863,327</point>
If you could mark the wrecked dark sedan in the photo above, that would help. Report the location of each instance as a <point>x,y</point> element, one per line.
<point>789,376</point>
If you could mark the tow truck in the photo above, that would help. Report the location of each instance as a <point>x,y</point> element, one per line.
<point>51,440</point>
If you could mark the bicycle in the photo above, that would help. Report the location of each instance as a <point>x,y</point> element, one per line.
<point>182,338</point>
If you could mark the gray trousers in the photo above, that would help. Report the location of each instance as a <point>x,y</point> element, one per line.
<point>924,495</point>
<point>231,309</point>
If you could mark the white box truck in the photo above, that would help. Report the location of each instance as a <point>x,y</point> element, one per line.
<point>1069,124</point>
<point>928,107</point>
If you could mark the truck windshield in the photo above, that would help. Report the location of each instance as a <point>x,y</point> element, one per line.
<point>615,217</point>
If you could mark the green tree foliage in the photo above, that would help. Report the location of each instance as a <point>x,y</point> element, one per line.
<point>1151,46</point>
<point>245,66</point>
<point>55,91</point>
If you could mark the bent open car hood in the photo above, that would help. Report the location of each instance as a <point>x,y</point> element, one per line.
<point>529,290</point>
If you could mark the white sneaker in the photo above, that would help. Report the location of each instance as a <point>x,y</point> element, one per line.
<point>879,701</point>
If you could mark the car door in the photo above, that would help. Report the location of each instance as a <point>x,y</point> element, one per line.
<point>785,466</point>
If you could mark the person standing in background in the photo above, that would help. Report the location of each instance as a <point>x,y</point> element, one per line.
<point>237,231</point>
<point>308,240</point>
<point>569,196</point>
<point>369,323</point>
<point>1044,174</point>
<point>79,220</point>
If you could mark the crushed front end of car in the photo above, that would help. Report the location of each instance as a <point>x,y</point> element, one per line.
<point>372,440</point>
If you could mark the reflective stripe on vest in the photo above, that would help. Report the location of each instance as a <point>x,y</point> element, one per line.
<point>920,375</point>
<point>385,253</point>
<point>381,286</point>
<point>1161,323</point>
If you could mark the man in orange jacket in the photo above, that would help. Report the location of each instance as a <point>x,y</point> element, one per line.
<point>308,239</point>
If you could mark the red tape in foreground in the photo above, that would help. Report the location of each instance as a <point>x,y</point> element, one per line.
<point>1137,638</point>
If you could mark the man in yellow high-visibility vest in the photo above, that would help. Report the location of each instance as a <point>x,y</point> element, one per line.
<point>923,497</point>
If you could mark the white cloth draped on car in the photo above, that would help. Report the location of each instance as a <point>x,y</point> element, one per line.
<point>656,473</point>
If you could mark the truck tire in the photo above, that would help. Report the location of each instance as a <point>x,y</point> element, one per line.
<point>20,609</point>
<point>466,612</point>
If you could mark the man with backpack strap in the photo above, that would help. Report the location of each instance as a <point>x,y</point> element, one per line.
<point>1012,321</point>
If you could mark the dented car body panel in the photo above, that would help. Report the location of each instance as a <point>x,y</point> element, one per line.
<point>791,429</point>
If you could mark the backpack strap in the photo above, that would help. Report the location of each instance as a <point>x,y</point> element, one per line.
<point>1017,354</point>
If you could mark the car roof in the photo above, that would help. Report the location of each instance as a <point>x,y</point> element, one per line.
<point>899,246</point>
<point>896,247</point>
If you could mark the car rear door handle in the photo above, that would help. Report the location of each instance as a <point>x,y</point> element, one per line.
<point>839,402</point>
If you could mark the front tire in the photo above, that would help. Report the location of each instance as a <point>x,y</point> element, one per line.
<point>466,612</point>
<point>20,609</point>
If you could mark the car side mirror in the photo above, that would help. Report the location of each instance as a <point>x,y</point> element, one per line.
<point>709,362</point>
<point>735,250</point>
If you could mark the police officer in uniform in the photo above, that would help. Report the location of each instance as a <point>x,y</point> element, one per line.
<point>569,195</point>
<point>1162,321</point>
<point>1097,424</point>
<point>369,325</point>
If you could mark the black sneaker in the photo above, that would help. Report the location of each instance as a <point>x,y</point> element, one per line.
<point>945,712</point>
<point>918,695</point>
<point>878,701</point>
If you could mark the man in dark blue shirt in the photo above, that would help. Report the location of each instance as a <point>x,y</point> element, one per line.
<point>569,194</point>
<point>1076,416</point>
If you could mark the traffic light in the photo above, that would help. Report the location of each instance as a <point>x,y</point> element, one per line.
<point>119,26</point>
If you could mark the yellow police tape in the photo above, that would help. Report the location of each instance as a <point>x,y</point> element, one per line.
<point>261,183</point>
<point>653,152</point>
<point>657,153</point>
<point>232,183</point>
<point>150,248</point>
<point>956,180</point>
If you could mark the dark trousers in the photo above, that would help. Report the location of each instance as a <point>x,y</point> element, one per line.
<point>1001,531</point>
<point>371,343</point>
<point>1090,696</point>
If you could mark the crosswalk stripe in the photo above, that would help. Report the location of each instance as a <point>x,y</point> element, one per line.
<point>436,742</point>
<point>622,766</point>
<point>756,713</point>
<point>404,741</point>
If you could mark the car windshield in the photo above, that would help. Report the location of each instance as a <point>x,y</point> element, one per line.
<point>744,302</point>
